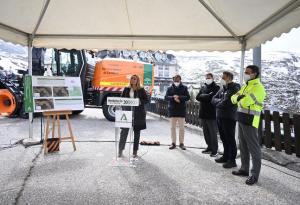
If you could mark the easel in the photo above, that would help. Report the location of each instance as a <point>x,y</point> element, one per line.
<point>54,116</point>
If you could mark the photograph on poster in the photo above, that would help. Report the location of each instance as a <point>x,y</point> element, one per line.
<point>42,91</point>
<point>60,91</point>
<point>43,104</point>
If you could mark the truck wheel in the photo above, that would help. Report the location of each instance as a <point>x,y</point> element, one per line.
<point>108,111</point>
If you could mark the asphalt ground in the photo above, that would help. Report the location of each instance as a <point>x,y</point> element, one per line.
<point>91,175</point>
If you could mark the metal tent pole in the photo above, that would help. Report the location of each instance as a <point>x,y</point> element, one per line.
<point>30,140</point>
<point>243,50</point>
<point>30,73</point>
<point>257,57</point>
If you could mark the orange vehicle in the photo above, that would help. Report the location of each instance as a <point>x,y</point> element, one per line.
<point>7,102</point>
<point>107,78</point>
<point>11,97</point>
<point>111,75</point>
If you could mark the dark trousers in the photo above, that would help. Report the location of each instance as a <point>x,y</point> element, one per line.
<point>227,134</point>
<point>210,134</point>
<point>123,138</point>
<point>249,145</point>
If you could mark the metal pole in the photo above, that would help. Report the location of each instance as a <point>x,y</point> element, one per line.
<point>257,57</point>
<point>30,39</point>
<point>243,50</point>
<point>242,61</point>
<point>41,128</point>
<point>130,134</point>
<point>116,141</point>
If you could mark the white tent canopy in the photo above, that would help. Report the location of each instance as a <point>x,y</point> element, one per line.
<point>224,25</point>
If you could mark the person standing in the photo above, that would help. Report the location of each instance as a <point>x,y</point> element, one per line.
<point>226,119</point>
<point>177,95</point>
<point>207,114</point>
<point>134,90</point>
<point>250,100</point>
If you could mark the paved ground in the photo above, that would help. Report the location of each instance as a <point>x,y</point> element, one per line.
<point>161,176</point>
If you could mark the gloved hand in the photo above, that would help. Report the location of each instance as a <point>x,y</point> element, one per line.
<point>240,97</point>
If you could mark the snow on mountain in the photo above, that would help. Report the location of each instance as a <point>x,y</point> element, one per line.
<point>12,57</point>
<point>280,73</point>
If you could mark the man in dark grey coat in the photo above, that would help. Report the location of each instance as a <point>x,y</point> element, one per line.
<point>177,95</point>
<point>226,119</point>
<point>207,114</point>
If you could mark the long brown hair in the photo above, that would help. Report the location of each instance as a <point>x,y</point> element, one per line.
<point>138,82</point>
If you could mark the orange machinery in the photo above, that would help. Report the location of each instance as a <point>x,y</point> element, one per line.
<point>7,102</point>
<point>114,74</point>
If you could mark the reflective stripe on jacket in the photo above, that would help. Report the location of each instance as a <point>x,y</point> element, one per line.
<point>250,107</point>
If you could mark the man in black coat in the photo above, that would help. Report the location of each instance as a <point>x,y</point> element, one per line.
<point>226,119</point>
<point>207,114</point>
<point>177,95</point>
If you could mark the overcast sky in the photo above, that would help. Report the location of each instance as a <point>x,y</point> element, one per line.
<point>286,42</point>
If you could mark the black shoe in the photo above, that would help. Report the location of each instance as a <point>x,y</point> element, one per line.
<point>221,160</point>
<point>240,173</point>
<point>120,153</point>
<point>214,154</point>
<point>229,164</point>
<point>251,180</point>
<point>173,146</point>
<point>134,154</point>
<point>206,151</point>
<point>182,146</point>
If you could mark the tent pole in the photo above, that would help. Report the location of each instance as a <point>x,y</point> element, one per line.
<point>257,57</point>
<point>30,140</point>
<point>30,73</point>
<point>243,49</point>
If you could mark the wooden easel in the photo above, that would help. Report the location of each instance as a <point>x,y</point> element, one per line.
<point>55,117</point>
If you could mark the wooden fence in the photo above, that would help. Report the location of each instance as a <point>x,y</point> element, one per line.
<point>281,131</point>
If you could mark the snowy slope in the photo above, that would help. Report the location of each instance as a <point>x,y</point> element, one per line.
<point>280,73</point>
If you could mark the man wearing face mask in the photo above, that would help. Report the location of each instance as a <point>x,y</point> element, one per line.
<point>250,100</point>
<point>207,114</point>
<point>226,119</point>
<point>177,95</point>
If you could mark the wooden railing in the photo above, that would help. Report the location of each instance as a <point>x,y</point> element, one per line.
<point>281,131</point>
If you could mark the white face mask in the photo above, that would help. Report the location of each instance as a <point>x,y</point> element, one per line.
<point>208,81</point>
<point>176,84</point>
<point>247,77</point>
<point>223,82</point>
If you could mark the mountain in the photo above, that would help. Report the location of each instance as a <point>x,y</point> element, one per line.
<point>13,57</point>
<point>280,71</point>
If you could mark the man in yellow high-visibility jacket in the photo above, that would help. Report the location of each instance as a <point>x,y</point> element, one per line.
<point>250,100</point>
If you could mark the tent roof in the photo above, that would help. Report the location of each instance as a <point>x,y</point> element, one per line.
<point>147,24</point>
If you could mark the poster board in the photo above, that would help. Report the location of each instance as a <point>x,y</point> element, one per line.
<point>44,93</point>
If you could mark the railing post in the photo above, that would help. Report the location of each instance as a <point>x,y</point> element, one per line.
<point>277,132</point>
<point>268,136</point>
<point>287,133</point>
<point>296,122</point>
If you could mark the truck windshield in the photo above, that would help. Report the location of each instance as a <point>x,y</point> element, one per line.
<point>70,63</point>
